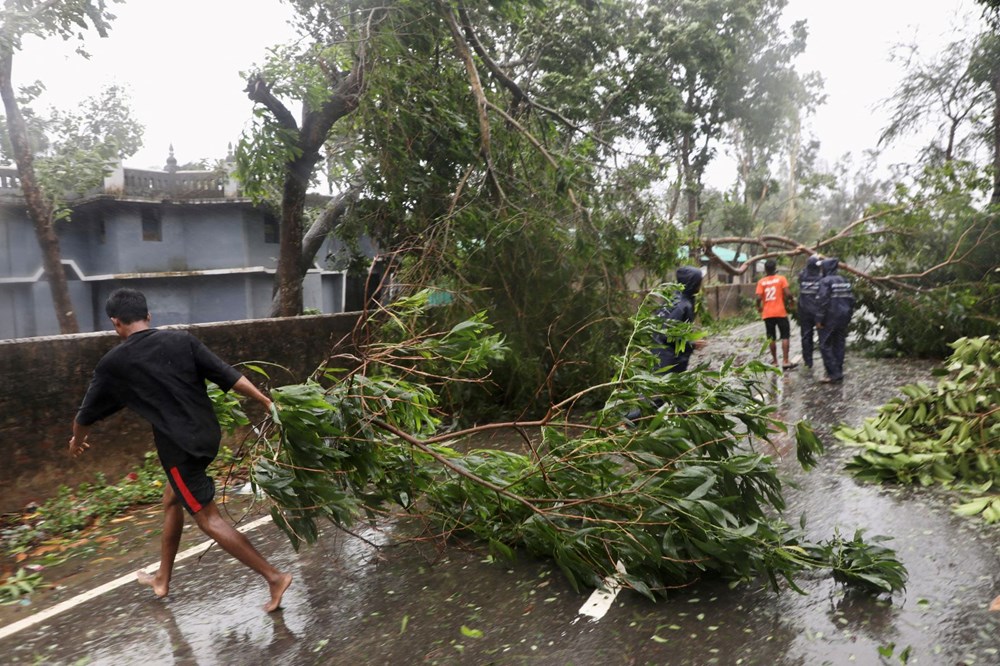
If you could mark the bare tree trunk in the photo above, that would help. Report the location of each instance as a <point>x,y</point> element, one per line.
<point>675,191</point>
<point>316,125</point>
<point>327,221</point>
<point>995,84</point>
<point>690,188</point>
<point>288,279</point>
<point>39,210</point>
<point>793,181</point>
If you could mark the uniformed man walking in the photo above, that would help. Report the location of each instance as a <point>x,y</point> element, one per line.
<point>834,307</point>
<point>809,279</point>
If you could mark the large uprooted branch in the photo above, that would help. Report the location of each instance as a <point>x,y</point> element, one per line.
<point>774,246</point>
<point>690,489</point>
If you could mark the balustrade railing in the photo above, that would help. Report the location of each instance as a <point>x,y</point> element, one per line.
<point>10,182</point>
<point>146,183</point>
<point>180,184</point>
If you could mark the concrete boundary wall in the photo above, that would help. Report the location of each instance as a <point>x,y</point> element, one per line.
<point>42,381</point>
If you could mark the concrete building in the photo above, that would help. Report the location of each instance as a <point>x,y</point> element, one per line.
<point>199,250</point>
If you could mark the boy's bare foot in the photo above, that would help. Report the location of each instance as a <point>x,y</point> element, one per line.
<point>995,606</point>
<point>159,589</point>
<point>278,588</point>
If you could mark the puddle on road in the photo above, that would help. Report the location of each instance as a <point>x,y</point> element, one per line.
<point>416,603</point>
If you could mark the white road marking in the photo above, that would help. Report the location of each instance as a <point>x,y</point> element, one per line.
<point>600,601</point>
<point>62,606</point>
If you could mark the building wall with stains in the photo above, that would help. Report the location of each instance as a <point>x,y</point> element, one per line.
<point>206,253</point>
<point>43,380</point>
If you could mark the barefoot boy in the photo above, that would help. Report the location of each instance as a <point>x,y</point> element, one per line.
<point>161,376</point>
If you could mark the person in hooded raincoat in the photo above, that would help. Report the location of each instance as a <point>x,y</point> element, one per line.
<point>670,358</point>
<point>834,307</point>
<point>809,279</point>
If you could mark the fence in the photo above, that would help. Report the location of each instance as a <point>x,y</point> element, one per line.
<point>728,300</point>
<point>179,184</point>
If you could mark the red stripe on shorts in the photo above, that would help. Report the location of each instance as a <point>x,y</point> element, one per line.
<point>188,497</point>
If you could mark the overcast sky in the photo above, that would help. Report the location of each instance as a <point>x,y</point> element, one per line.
<point>180,60</point>
<point>849,44</point>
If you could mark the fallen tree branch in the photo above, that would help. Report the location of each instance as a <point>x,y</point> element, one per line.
<point>781,246</point>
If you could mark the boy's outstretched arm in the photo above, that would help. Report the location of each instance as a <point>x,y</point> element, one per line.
<point>78,442</point>
<point>244,386</point>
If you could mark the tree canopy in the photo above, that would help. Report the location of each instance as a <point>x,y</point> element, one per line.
<point>542,161</point>
<point>514,154</point>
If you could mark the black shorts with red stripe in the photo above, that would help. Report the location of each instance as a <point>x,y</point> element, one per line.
<point>188,476</point>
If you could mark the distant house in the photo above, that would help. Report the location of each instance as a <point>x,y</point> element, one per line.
<point>199,250</point>
<point>720,276</point>
<point>715,274</point>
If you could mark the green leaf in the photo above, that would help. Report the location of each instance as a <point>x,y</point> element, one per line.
<point>471,633</point>
<point>256,368</point>
<point>973,507</point>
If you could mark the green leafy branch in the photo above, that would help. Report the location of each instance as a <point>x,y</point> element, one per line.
<point>689,490</point>
<point>19,585</point>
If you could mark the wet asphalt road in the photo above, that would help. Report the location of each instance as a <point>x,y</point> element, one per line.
<point>427,603</point>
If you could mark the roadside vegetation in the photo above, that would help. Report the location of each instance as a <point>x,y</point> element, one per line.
<point>72,510</point>
<point>72,522</point>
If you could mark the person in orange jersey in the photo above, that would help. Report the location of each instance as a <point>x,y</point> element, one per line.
<point>773,299</point>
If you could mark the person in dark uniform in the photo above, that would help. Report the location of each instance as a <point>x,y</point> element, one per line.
<point>681,309</point>
<point>668,357</point>
<point>809,279</point>
<point>834,307</point>
<point>160,375</point>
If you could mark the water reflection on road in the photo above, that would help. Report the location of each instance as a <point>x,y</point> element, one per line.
<point>423,603</point>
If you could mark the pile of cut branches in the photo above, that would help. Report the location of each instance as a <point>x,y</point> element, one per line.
<point>947,434</point>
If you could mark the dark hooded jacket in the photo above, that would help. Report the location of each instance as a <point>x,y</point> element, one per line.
<point>834,297</point>
<point>681,309</point>
<point>809,279</point>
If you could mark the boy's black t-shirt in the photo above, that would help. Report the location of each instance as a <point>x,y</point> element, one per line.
<point>161,376</point>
